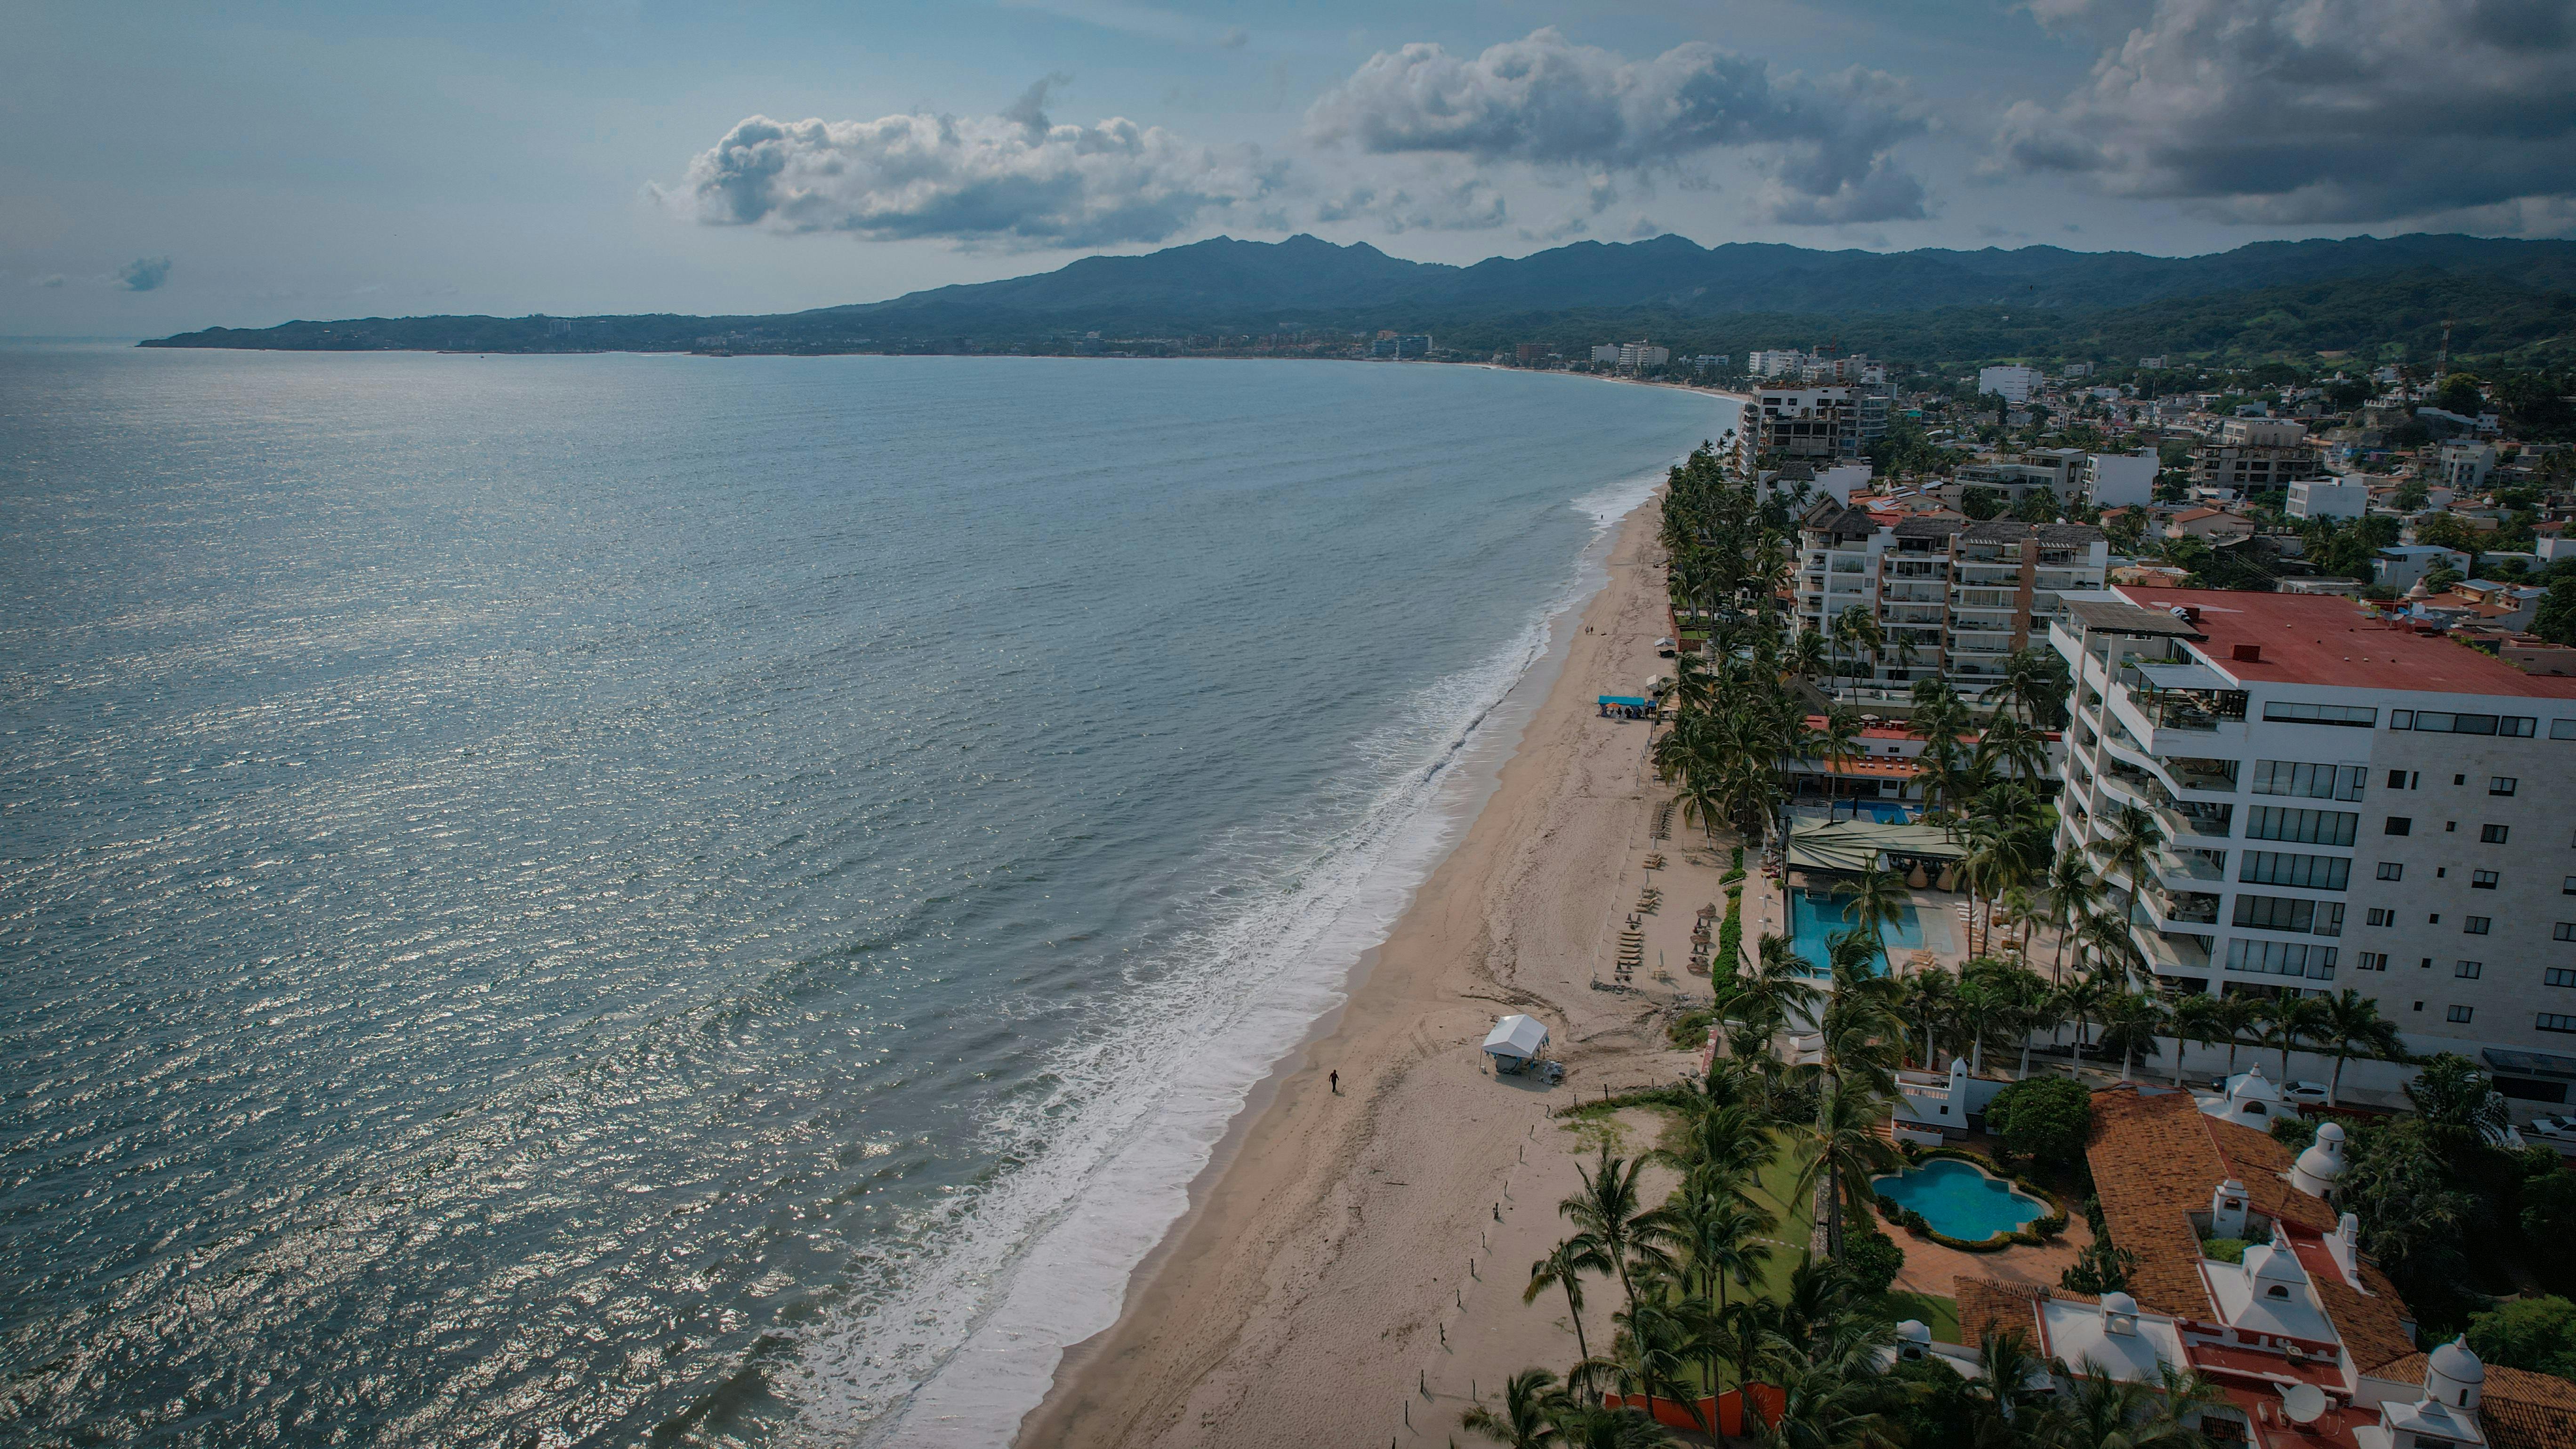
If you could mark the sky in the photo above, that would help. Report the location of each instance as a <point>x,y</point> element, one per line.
<point>173,167</point>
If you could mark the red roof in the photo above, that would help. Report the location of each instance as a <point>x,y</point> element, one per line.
<point>2328,640</point>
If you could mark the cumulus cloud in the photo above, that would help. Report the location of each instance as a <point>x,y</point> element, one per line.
<point>143,273</point>
<point>2300,111</point>
<point>1824,145</point>
<point>1015,181</point>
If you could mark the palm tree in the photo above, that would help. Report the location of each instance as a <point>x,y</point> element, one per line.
<point>1590,1426</point>
<point>1563,1268</point>
<point>1826,1406</point>
<point>2082,1001</point>
<point>2129,1027</point>
<point>2135,836</point>
<point>2097,1411</point>
<point>1930,998</point>
<point>1610,1211</point>
<point>2237,1016</point>
<point>1848,1152</point>
<point>1806,655</point>
<point>2072,890</point>
<point>1879,900</point>
<point>2195,1017</point>
<point>2350,1026</point>
<point>1840,740</point>
<point>1531,1399</point>
<point>2287,1021</point>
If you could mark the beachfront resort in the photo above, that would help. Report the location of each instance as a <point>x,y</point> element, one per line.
<point>2032,1092</point>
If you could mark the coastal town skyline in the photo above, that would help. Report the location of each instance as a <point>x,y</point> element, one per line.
<point>612,158</point>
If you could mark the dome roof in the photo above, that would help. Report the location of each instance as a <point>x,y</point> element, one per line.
<point>2118,1302</point>
<point>2321,1162</point>
<point>1914,1331</point>
<point>2455,1362</point>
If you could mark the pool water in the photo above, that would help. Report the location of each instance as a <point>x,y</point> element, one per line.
<point>1816,917</point>
<point>1959,1200</point>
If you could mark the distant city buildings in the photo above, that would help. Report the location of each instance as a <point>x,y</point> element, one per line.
<point>1388,345</point>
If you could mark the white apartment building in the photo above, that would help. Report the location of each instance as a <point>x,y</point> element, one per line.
<point>1818,424</point>
<point>2344,804</point>
<point>2121,480</point>
<point>1776,363</point>
<point>2256,453</point>
<point>1606,352</point>
<point>2464,466</point>
<point>1634,355</point>
<point>2344,496</point>
<point>2012,384</point>
<point>1953,599</point>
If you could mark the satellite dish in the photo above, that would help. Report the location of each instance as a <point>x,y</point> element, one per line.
<point>2304,1403</point>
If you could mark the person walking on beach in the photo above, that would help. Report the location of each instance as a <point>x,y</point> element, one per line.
<point>1337,1082</point>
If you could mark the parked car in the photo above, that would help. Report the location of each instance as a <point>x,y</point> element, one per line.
<point>2312,1094</point>
<point>1664,648</point>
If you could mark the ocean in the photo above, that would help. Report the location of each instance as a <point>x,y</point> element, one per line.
<point>595,900</point>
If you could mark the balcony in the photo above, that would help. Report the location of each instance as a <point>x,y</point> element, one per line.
<point>2192,819</point>
<point>2215,777</point>
<point>2174,954</point>
<point>2190,868</point>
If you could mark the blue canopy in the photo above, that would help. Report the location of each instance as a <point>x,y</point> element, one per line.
<point>1627,701</point>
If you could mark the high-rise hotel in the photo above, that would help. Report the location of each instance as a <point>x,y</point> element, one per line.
<point>2342,804</point>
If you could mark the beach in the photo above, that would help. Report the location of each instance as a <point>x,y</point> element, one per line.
<point>1355,1259</point>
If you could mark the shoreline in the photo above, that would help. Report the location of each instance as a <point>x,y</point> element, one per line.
<point>1262,1295</point>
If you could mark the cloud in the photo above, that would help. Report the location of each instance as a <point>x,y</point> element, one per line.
<point>55,280</point>
<point>1461,204</point>
<point>2305,111</point>
<point>1234,39</point>
<point>1013,181</point>
<point>143,273</point>
<point>1823,145</point>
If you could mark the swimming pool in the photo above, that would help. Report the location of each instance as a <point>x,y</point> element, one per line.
<point>1817,916</point>
<point>1959,1200</point>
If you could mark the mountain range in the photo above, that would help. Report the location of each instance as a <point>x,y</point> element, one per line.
<point>2516,293</point>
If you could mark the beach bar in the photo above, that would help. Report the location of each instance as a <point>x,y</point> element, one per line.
<point>1515,1042</point>
<point>1626,706</point>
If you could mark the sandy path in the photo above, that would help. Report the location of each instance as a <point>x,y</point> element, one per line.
<point>1306,1297</point>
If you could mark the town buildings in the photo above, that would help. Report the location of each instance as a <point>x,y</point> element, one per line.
<point>2343,804</point>
<point>1818,424</point>
<point>2308,1343</point>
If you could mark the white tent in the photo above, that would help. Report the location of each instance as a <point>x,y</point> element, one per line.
<point>1516,1037</point>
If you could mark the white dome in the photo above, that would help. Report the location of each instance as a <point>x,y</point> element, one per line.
<point>2117,1302</point>
<point>2321,1163</point>
<point>2455,1362</point>
<point>1913,1331</point>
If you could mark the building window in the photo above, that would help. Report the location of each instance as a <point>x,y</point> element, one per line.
<point>2397,779</point>
<point>2563,931</point>
<point>2493,834</point>
<point>2309,872</point>
<point>2378,961</point>
<point>2558,976</point>
<point>2460,1014</point>
<point>2476,926</point>
<point>2553,1021</point>
<point>2356,715</point>
<point>2568,886</point>
<point>2380,916</point>
<point>2468,970</point>
<point>2482,880</point>
<point>2301,827</point>
<point>2405,825</point>
<point>2512,726</point>
<point>2501,785</point>
<point>2391,870</point>
<point>2317,782</point>
<point>2562,729</point>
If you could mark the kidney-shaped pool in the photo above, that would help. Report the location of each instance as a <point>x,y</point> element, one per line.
<point>1959,1200</point>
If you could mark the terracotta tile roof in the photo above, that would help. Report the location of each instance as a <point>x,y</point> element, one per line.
<point>2518,1409</point>
<point>1986,1306</point>
<point>2153,1164</point>
<point>2156,1159</point>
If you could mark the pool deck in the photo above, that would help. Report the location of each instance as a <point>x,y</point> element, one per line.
<point>1929,1267</point>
